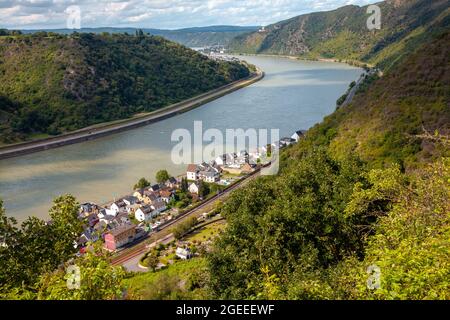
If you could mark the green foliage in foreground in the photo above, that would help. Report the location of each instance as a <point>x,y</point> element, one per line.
<point>287,240</point>
<point>53,83</point>
<point>34,259</point>
<point>37,247</point>
<point>365,188</point>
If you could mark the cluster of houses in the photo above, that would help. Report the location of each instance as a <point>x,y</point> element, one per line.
<point>234,163</point>
<point>112,223</point>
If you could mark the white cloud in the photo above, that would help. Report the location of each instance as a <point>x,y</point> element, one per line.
<point>169,14</point>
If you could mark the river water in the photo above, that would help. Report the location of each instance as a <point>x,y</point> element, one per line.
<point>294,95</point>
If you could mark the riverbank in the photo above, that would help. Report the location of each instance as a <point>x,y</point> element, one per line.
<point>353,63</point>
<point>98,131</point>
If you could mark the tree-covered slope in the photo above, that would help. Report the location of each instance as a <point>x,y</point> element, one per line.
<point>53,83</point>
<point>343,33</point>
<point>386,116</point>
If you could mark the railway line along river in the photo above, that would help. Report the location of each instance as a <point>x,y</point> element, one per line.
<point>293,95</point>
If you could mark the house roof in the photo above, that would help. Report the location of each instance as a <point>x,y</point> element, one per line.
<point>86,207</point>
<point>158,205</point>
<point>151,195</point>
<point>122,229</point>
<point>192,168</point>
<point>120,203</point>
<point>172,180</point>
<point>211,174</point>
<point>165,193</point>
<point>130,198</point>
<point>146,209</point>
<point>155,187</point>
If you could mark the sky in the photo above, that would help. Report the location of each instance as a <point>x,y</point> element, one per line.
<point>161,14</point>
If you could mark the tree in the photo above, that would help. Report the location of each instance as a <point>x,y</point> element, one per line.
<point>99,280</point>
<point>151,261</point>
<point>162,176</point>
<point>37,247</point>
<point>9,247</point>
<point>184,184</point>
<point>286,223</point>
<point>203,189</point>
<point>411,243</point>
<point>65,226</point>
<point>142,183</point>
<point>184,227</point>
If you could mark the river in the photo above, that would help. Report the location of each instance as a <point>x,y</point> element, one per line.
<point>293,95</point>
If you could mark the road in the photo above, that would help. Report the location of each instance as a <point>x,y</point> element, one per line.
<point>133,263</point>
<point>352,91</point>
<point>119,126</point>
<point>127,256</point>
<point>355,88</point>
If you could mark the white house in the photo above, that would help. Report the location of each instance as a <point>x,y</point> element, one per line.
<point>193,188</point>
<point>159,206</point>
<point>192,172</point>
<point>172,183</point>
<point>102,213</point>
<point>210,176</point>
<point>115,208</point>
<point>155,188</point>
<point>226,159</point>
<point>130,200</point>
<point>166,195</point>
<point>144,213</point>
<point>298,135</point>
<point>183,253</point>
<point>287,141</point>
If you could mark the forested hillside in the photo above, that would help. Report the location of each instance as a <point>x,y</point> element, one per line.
<point>52,83</point>
<point>343,33</point>
<point>190,37</point>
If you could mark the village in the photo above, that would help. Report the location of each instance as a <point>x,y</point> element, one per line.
<point>150,207</point>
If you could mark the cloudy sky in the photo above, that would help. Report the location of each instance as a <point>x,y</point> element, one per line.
<point>167,14</point>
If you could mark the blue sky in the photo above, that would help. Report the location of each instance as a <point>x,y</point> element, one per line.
<point>163,14</point>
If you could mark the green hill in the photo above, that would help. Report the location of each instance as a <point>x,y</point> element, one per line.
<point>190,37</point>
<point>343,33</point>
<point>52,83</point>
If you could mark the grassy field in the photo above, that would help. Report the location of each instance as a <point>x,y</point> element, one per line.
<point>178,281</point>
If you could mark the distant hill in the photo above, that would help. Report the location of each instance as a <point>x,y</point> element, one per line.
<point>190,37</point>
<point>52,83</point>
<point>343,33</point>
